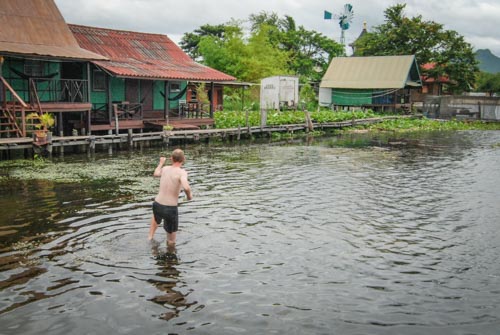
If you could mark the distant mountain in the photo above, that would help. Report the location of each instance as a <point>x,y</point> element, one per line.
<point>488,62</point>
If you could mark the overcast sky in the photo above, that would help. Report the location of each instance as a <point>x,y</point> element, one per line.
<point>477,21</point>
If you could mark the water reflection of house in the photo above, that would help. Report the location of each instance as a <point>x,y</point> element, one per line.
<point>92,77</point>
<point>376,82</point>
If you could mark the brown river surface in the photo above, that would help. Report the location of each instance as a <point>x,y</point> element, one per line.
<point>360,234</point>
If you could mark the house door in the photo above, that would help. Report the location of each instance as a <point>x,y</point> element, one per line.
<point>132,90</point>
<point>147,95</point>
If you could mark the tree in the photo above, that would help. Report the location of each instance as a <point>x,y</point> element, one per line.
<point>310,52</point>
<point>488,82</point>
<point>248,60</point>
<point>428,41</point>
<point>190,41</point>
<point>273,46</point>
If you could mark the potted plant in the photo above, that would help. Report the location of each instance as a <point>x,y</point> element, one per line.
<point>46,121</point>
<point>167,129</point>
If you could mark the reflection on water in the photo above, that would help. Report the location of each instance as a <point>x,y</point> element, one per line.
<point>353,235</point>
<point>171,297</point>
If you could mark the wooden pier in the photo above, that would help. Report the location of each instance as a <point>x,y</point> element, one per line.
<point>192,135</point>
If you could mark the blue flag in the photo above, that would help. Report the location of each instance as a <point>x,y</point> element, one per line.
<point>328,15</point>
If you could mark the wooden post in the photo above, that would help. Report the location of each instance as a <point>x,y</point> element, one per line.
<point>130,139</point>
<point>92,143</point>
<point>263,118</point>
<point>211,97</point>
<point>61,148</point>
<point>166,108</point>
<point>89,98</point>
<point>110,145</point>
<point>309,124</point>
<point>60,124</point>
<point>89,115</point>
<point>117,128</point>
<point>110,99</point>
<point>49,143</point>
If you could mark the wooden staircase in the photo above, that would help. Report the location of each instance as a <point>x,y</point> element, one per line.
<point>13,120</point>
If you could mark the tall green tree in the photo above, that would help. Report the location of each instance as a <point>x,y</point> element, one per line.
<point>488,82</point>
<point>274,45</point>
<point>190,41</point>
<point>247,59</point>
<point>451,55</point>
<point>310,52</point>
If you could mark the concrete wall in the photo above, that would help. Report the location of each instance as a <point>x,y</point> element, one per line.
<point>462,107</point>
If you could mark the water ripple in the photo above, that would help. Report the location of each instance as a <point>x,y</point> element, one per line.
<point>290,239</point>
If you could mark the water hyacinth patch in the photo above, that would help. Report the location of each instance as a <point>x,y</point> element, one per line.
<point>233,119</point>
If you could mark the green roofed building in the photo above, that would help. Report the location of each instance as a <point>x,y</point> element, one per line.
<point>376,82</point>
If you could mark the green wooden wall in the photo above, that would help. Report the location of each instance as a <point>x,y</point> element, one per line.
<point>20,85</point>
<point>97,97</point>
<point>159,100</point>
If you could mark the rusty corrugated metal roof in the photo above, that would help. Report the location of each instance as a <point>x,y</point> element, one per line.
<point>37,28</point>
<point>371,72</point>
<point>143,55</point>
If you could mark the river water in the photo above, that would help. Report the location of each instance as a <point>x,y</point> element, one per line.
<point>359,234</point>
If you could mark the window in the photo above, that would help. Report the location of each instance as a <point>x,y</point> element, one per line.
<point>99,80</point>
<point>175,87</point>
<point>33,68</point>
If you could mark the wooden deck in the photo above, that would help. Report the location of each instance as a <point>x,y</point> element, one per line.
<point>54,107</point>
<point>91,141</point>
<point>155,124</point>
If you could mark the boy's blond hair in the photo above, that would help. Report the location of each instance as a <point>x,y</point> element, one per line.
<point>178,156</point>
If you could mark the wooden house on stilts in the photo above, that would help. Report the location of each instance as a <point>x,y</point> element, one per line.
<point>42,67</point>
<point>376,82</point>
<point>95,79</point>
<point>147,82</point>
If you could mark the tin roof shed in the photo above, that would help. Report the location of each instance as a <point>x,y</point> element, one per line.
<point>374,72</point>
<point>143,55</point>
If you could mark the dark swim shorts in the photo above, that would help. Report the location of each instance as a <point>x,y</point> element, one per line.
<point>168,214</point>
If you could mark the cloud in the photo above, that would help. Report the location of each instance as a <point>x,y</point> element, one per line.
<point>476,20</point>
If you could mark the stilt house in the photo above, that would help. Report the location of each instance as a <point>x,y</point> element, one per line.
<point>96,79</point>
<point>377,82</point>
<point>147,82</point>
<point>42,67</point>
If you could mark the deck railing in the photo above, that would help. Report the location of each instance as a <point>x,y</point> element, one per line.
<point>61,90</point>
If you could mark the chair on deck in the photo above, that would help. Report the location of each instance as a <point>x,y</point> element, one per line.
<point>182,108</point>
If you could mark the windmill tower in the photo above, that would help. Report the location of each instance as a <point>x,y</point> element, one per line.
<point>345,19</point>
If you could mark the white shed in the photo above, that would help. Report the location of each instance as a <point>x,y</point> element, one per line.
<point>279,92</point>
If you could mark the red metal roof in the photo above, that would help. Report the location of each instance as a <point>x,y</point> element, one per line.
<point>143,55</point>
<point>427,79</point>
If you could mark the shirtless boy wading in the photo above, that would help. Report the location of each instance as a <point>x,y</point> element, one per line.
<point>173,178</point>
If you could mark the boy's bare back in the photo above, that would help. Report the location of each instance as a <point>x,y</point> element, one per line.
<point>172,180</point>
